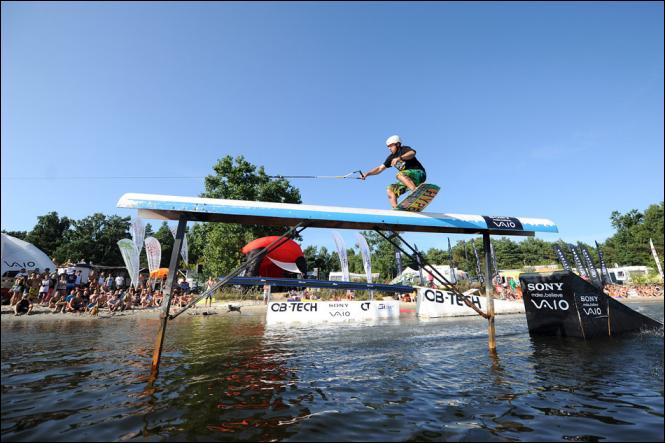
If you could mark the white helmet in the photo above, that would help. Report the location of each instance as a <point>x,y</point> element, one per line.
<point>393,139</point>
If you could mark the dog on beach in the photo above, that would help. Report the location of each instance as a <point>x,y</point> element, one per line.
<point>234,308</point>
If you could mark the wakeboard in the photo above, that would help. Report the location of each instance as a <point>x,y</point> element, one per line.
<point>418,200</point>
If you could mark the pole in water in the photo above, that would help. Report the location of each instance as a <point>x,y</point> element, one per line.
<point>166,300</point>
<point>491,330</point>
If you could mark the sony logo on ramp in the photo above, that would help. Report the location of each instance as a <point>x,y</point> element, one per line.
<point>544,286</point>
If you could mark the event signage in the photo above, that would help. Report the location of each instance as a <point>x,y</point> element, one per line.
<point>604,273</point>
<point>496,268</point>
<point>131,258</point>
<point>137,230</point>
<point>478,272</point>
<point>398,258</point>
<point>562,258</point>
<point>184,252</point>
<point>367,258</point>
<point>341,252</point>
<point>434,303</point>
<point>655,257</point>
<point>506,223</point>
<point>453,276</point>
<point>578,262</point>
<point>331,311</point>
<point>153,250</point>
<point>595,279</point>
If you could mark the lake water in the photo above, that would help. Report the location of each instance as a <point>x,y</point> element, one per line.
<point>234,378</point>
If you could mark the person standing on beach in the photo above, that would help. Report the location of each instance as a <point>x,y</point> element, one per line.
<point>208,299</point>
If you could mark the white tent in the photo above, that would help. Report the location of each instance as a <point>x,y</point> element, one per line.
<point>412,276</point>
<point>18,254</point>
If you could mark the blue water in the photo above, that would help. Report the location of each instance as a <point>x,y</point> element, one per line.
<point>234,378</point>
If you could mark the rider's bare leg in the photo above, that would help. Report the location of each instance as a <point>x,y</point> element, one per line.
<point>406,181</point>
<point>392,197</point>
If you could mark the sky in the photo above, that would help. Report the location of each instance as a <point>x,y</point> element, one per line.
<point>547,110</point>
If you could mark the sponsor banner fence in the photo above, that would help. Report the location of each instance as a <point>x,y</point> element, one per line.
<point>437,303</point>
<point>331,311</point>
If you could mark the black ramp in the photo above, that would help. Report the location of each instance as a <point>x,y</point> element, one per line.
<point>562,303</point>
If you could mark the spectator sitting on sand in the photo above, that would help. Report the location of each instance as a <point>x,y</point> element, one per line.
<point>146,300</point>
<point>75,304</point>
<point>57,302</point>
<point>92,303</point>
<point>115,301</point>
<point>24,306</point>
<point>17,290</point>
<point>102,299</point>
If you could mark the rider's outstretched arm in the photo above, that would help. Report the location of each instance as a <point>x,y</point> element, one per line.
<point>376,171</point>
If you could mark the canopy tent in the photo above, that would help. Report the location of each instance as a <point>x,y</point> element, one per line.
<point>159,273</point>
<point>18,254</point>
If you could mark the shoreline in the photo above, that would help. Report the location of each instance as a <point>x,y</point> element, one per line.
<point>252,307</point>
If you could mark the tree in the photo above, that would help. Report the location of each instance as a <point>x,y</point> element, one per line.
<point>95,239</point>
<point>240,180</point>
<point>630,244</point>
<point>321,259</point>
<point>49,233</point>
<point>436,256</point>
<point>21,235</point>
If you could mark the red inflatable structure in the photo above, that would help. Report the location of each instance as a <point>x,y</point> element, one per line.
<point>285,261</point>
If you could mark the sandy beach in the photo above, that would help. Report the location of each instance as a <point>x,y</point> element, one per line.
<point>251,307</point>
<point>41,313</point>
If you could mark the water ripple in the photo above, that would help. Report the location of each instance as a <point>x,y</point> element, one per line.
<point>236,378</point>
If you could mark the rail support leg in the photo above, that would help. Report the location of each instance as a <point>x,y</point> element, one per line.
<point>491,332</point>
<point>166,301</point>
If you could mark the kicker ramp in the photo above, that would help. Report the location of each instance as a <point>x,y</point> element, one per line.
<point>562,303</point>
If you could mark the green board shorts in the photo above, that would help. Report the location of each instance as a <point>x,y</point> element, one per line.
<point>417,176</point>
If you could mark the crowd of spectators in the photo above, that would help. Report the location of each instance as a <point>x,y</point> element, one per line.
<point>67,293</point>
<point>623,291</point>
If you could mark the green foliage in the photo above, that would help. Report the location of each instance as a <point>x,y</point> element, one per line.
<point>94,239</point>
<point>437,256</point>
<point>49,233</point>
<point>652,278</point>
<point>630,244</point>
<point>321,259</point>
<point>218,245</point>
<point>21,235</point>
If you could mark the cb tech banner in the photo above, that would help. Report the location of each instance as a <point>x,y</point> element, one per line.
<point>433,303</point>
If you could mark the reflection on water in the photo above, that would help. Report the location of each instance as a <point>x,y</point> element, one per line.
<point>234,378</point>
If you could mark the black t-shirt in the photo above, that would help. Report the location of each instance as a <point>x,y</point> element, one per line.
<point>412,163</point>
